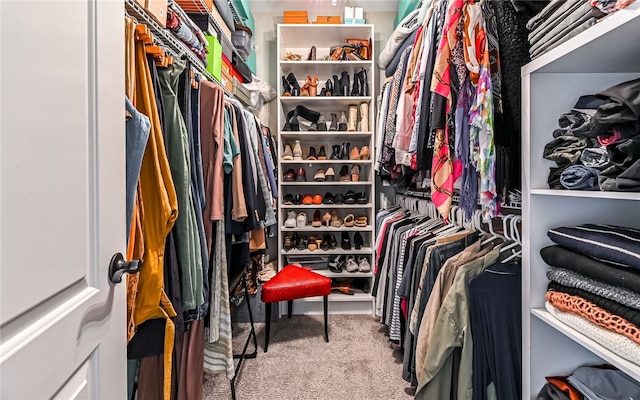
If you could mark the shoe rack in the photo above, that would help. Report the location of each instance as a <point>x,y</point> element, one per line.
<point>303,189</point>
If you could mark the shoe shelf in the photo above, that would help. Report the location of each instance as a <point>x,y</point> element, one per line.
<point>343,274</point>
<point>310,228</point>
<point>325,183</point>
<point>339,250</point>
<point>313,207</point>
<point>324,104</point>
<point>299,39</point>
<point>335,296</point>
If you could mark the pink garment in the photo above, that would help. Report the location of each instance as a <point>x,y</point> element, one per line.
<point>611,137</point>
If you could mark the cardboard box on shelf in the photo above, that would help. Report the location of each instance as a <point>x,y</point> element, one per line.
<point>158,10</point>
<point>227,81</point>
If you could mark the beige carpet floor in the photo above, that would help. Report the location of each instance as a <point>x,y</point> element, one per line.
<point>358,363</point>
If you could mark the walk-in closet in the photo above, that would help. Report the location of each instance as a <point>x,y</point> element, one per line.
<point>320,199</point>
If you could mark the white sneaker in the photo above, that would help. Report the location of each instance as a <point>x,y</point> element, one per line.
<point>291,220</point>
<point>301,220</point>
<point>363,265</point>
<point>351,265</point>
<point>268,272</point>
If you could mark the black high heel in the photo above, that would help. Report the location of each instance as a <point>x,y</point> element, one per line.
<point>291,124</point>
<point>344,152</point>
<point>344,84</point>
<point>333,243</point>
<point>295,87</point>
<point>346,241</point>
<point>329,87</point>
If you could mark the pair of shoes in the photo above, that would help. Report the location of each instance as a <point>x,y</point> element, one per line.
<point>343,286</point>
<point>360,154</point>
<point>290,85</point>
<point>292,57</point>
<point>355,124</point>
<point>353,177</point>
<point>294,153</point>
<point>315,199</point>
<point>293,176</point>
<point>360,84</point>
<point>361,221</point>
<point>295,220</point>
<point>340,153</point>
<point>310,87</point>
<point>321,155</point>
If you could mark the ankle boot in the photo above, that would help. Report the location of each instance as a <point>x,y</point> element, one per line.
<point>322,123</point>
<point>355,91</point>
<point>344,152</point>
<point>297,151</point>
<point>364,83</point>
<point>342,125</point>
<point>335,155</point>
<point>291,124</point>
<point>344,174</point>
<point>336,86</point>
<point>295,87</point>
<point>286,87</point>
<point>322,154</point>
<point>334,123</point>
<point>312,154</point>
<point>344,84</point>
<point>329,87</point>
<point>353,119</point>
<point>364,117</point>
<point>312,54</point>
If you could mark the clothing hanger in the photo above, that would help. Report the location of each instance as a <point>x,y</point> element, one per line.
<point>494,235</point>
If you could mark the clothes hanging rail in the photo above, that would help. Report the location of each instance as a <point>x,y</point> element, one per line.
<point>423,194</point>
<point>166,39</point>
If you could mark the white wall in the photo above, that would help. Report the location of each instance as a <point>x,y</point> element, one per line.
<point>266,44</point>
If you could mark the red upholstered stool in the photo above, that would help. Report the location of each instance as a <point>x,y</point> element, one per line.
<point>292,283</point>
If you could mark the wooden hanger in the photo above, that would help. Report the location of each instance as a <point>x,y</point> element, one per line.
<point>144,34</point>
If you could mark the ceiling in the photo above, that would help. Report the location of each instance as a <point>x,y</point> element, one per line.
<point>315,6</point>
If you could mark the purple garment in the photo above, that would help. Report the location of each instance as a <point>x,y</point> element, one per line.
<point>469,184</point>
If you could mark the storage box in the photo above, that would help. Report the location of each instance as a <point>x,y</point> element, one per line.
<point>158,10</point>
<point>225,12</point>
<point>224,28</point>
<point>241,93</point>
<point>227,81</point>
<point>242,69</point>
<point>226,65</point>
<point>241,39</point>
<point>214,57</point>
<point>203,22</point>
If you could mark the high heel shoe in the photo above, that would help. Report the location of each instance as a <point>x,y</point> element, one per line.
<point>335,221</point>
<point>346,241</point>
<point>295,87</point>
<point>365,153</point>
<point>304,91</point>
<point>333,243</point>
<point>322,153</point>
<point>326,218</point>
<point>291,124</point>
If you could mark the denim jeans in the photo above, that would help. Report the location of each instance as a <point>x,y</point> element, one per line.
<point>137,131</point>
<point>579,177</point>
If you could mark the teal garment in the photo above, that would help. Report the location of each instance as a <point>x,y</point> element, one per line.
<point>231,148</point>
<point>451,341</point>
<point>185,229</point>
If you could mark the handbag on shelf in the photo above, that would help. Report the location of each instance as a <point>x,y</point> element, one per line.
<point>353,49</point>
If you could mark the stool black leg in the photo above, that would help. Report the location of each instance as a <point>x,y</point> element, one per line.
<point>268,325</point>
<point>289,308</point>
<point>325,304</point>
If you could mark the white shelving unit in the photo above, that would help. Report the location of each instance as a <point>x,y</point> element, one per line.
<point>299,39</point>
<point>588,63</point>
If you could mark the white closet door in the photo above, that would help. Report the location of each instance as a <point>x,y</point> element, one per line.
<point>62,209</point>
